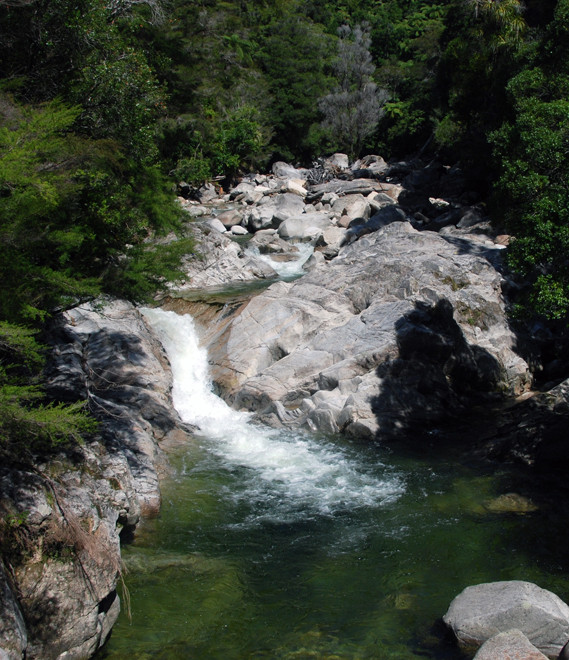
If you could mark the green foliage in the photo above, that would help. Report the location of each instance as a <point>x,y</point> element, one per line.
<point>532,191</point>
<point>353,108</point>
<point>295,56</point>
<point>195,170</point>
<point>38,156</point>
<point>472,79</point>
<point>28,423</point>
<point>237,142</point>
<point>147,268</point>
<point>29,427</point>
<point>121,100</point>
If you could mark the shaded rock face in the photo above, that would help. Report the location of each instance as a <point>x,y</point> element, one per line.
<point>69,513</point>
<point>484,610</point>
<point>13,633</point>
<point>393,333</point>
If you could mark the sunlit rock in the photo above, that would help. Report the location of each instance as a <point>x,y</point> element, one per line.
<point>482,611</point>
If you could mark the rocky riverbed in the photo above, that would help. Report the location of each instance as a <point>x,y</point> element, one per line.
<point>400,323</point>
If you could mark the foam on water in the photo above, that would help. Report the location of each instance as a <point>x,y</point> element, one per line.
<point>285,472</point>
<point>286,269</point>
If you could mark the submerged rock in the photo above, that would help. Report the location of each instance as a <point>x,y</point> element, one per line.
<point>511,503</point>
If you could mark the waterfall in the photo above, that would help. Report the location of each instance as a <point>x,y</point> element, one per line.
<point>288,473</point>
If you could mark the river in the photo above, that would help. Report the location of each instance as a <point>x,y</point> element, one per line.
<point>281,544</point>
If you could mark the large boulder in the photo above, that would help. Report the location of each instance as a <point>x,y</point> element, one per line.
<point>400,330</point>
<point>350,207</point>
<point>274,210</point>
<point>484,610</point>
<point>304,227</point>
<point>284,170</point>
<point>509,645</point>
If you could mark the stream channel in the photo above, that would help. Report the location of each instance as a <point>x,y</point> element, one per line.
<point>284,544</point>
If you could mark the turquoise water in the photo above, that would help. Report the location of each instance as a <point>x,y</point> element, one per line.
<point>285,545</point>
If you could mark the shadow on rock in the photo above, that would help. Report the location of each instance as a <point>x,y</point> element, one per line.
<point>436,377</point>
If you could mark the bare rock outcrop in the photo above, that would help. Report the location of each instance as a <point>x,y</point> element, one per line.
<point>65,517</point>
<point>395,332</point>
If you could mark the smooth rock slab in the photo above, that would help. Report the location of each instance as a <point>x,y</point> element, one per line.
<point>484,610</point>
<point>402,328</point>
<point>509,645</point>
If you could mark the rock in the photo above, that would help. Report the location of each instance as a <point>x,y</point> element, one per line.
<point>274,210</point>
<point>241,190</point>
<point>184,189</point>
<point>350,207</point>
<point>295,187</point>
<point>369,167</point>
<point>329,197</point>
<point>339,187</point>
<point>510,503</point>
<point>285,171</point>
<point>207,193</point>
<point>267,241</point>
<point>509,645</point>
<point>425,178</point>
<point>482,611</point>
<point>339,160</point>
<point>260,217</point>
<point>237,230</point>
<point>214,223</point>
<point>416,202</point>
<point>13,633</point>
<point>220,261</point>
<point>379,200</point>
<point>331,241</point>
<point>286,205</point>
<point>470,218</point>
<point>67,565</point>
<point>110,357</point>
<point>305,227</point>
<point>230,218</point>
<point>194,209</point>
<point>402,328</point>
<point>384,216</point>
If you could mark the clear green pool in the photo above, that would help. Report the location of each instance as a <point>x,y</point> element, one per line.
<point>215,577</point>
<point>275,544</point>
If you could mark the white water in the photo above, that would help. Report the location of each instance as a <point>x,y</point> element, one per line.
<point>287,473</point>
<point>286,269</point>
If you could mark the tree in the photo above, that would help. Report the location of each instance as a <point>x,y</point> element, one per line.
<point>472,81</point>
<point>352,111</point>
<point>532,192</point>
<point>294,57</point>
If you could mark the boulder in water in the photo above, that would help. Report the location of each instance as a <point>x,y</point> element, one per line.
<point>509,645</point>
<point>482,611</point>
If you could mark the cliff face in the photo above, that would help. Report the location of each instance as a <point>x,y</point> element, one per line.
<point>63,520</point>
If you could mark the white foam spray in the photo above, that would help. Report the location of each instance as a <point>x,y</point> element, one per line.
<point>296,473</point>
